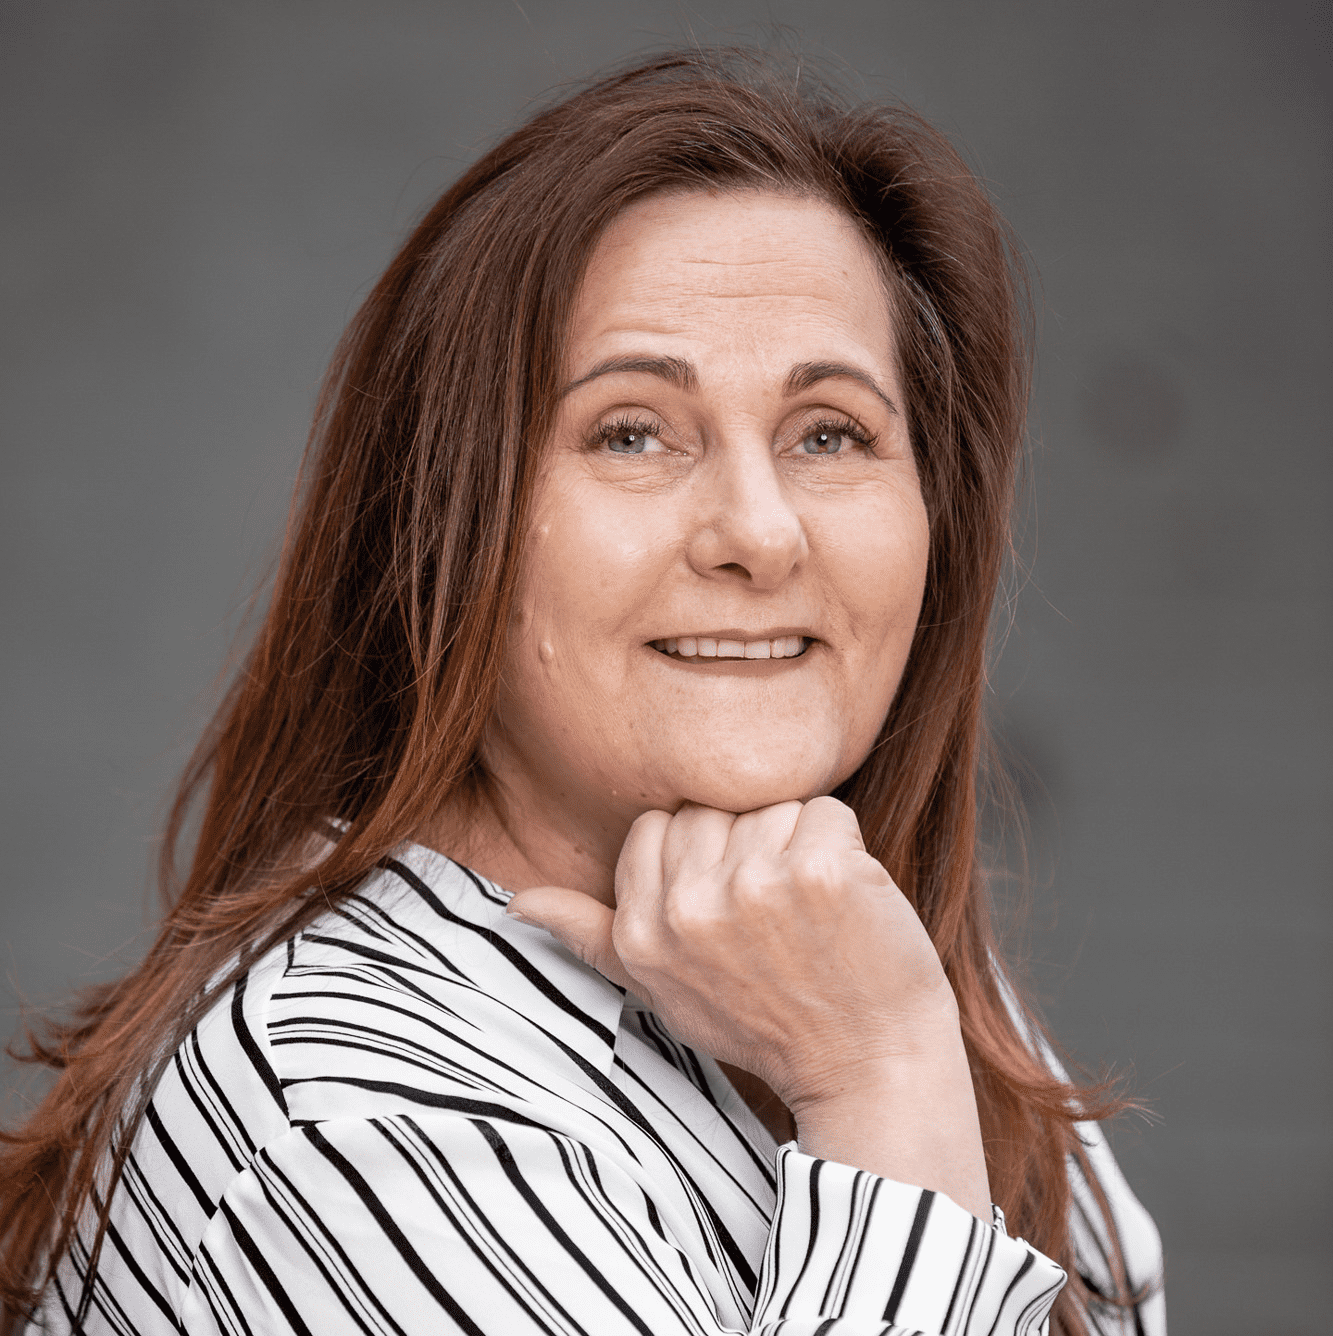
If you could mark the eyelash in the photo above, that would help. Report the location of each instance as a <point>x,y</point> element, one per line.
<point>637,426</point>
<point>624,426</point>
<point>841,426</point>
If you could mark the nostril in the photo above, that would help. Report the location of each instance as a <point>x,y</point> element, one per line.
<point>735,566</point>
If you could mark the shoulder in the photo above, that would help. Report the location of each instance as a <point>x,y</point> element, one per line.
<point>420,989</point>
<point>415,998</point>
<point>416,990</point>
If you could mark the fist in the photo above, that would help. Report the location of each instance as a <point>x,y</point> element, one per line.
<point>771,940</point>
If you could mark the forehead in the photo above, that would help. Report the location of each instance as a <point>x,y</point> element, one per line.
<point>749,268</point>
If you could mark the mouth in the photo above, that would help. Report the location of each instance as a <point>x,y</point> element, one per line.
<point>710,649</point>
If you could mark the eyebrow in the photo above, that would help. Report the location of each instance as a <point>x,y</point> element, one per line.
<point>804,375</point>
<point>680,373</point>
<point>674,370</point>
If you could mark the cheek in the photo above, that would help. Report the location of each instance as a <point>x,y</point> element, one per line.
<point>877,559</point>
<point>589,573</point>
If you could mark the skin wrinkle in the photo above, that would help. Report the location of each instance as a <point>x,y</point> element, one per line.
<point>679,372</point>
<point>731,526</point>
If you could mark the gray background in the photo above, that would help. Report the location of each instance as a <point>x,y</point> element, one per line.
<point>195,197</point>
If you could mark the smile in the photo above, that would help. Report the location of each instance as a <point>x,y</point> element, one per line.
<point>708,647</point>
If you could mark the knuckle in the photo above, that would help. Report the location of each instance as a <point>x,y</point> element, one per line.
<point>635,939</point>
<point>816,870</point>
<point>690,915</point>
<point>751,883</point>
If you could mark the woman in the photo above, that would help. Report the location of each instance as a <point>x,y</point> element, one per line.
<point>584,931</point>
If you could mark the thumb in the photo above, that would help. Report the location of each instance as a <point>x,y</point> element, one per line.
<point>575,920</point>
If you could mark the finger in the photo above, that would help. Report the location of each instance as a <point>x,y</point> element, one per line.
<point>695,843</point>
<point>639,866</point>
<point>577,921</point>
<point>763,833</point>
<point>825,825</point>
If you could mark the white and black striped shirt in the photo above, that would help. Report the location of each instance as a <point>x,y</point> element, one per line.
<point>422,1116</point>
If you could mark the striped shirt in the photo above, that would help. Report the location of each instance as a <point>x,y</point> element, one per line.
<point>420,1115</point>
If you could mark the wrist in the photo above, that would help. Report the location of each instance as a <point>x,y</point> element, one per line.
<point>908,1117</point>
<point>917,1077</point>
<point>896,1053</point>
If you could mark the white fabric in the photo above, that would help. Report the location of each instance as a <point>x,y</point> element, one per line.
<point>423,1116</point>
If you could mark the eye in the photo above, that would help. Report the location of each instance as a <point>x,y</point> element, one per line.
<point>833,438</point>
<point>822,443</point>
<point>627,436</point>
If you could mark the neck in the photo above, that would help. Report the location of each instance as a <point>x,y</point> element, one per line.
<point>510,833</point>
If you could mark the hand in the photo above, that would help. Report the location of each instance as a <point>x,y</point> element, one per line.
<point>770,940</point>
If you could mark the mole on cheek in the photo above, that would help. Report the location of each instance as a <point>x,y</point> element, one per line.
<point>546,651</point>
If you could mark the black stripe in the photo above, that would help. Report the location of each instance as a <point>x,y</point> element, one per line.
<point>608,1212</point>
<point>220,1096</point>
<point>849,1226</point>
<point>473,1108</point>
<point>868,1211</point>
<point>361,922</point>
<point>402,1246</point>
<point>335,1283</point>
<point>216,1280</point>
<point>70,1316</point>
<point>443,1067</point>
<point>815,1170</point>
<point>520,962</point>
<point>259,1265</point>
<point>181,1164</point>
<point>511,1171</point>
<point>1042,1300</point>
<point>914,1234</point>
<point>654,1032</point>
<point>386,1130</point>
<point>166,1234</point>
<point>674,1114</point>
<point>366,1000</point>
<point>1009,1289</point>
<point>962,1270</point>
<point>480,884</point>
<point>343,1026</point>
<point>373,953</point>
<point>381,973</point>
<point>139,1274</point>
<point>421,942</point>
<point>205,1111</point>
<point>251,1046</point>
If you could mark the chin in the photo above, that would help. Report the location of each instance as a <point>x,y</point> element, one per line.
<point>745,788</point>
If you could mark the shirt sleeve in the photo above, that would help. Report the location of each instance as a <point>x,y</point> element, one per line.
<point>450,1224</point>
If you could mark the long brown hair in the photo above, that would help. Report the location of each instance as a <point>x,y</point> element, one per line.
<point>364,696</point>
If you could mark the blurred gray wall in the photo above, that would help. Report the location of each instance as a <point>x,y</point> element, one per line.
<point>195,197</point>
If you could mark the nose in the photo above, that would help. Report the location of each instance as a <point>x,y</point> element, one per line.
<point>748,527</point>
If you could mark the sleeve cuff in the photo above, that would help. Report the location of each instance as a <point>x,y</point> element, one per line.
<point>848,1244</point>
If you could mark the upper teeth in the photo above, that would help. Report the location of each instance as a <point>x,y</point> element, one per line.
<point>705,647</point>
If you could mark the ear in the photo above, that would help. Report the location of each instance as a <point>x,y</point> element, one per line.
<point>575,920</point>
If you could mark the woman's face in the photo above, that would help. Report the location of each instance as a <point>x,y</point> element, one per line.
<point>729,546</point>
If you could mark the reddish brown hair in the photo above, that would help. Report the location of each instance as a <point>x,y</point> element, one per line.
<point>364,696</point>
